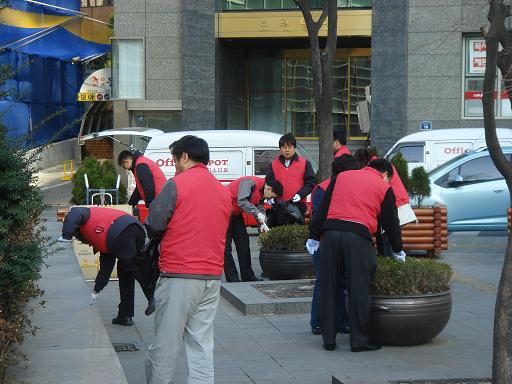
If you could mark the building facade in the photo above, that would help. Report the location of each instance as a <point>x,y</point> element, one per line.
<point>244,64</point>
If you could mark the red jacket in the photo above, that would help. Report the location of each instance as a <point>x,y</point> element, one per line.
<point>256,194</point>
<point>357,197</point>
<point>193,242</point>
<point>292,178</point>
<point>343,150</point>
<point>95,229</point>
<point>158,176</point>
<point>401,195</point>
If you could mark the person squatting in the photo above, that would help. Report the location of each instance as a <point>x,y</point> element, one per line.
<point>359,200</point>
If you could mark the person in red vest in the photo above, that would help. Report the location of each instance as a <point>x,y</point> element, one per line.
<point>339,144</point>
<point>116,235</point>
<point>346,220</point>
<point>149,178</point>
<point>339,164</point>
<point>293,171</point>
<point>405,212</point>
<point>247,195</point>
<point>191,216</point>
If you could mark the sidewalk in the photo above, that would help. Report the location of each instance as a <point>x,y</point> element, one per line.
<point>74,344</point>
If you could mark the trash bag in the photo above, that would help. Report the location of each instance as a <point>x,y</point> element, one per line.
<point>148,264</point>
<point>284,213</point>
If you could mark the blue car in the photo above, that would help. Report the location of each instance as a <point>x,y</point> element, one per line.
<point>473,190</point>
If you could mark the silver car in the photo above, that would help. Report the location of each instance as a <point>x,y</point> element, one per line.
<point>473,190</point>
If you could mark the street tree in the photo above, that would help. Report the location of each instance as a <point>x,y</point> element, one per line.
<point>498,38</point>
<point>321,64</point>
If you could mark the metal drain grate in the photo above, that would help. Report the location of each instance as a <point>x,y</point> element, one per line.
<point>444,381</point>
<point>125,347</point>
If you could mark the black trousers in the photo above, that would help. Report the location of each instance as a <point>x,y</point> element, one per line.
<point>126,250</point>
<point>345,255</point>
<point>237,233</point>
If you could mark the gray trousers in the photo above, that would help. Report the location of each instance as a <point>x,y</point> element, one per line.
<point>185,310</point>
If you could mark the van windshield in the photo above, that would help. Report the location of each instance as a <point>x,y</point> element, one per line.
<point>447,164</point>
<point>301,151</point>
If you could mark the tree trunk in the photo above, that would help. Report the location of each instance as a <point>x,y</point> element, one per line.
<point>502,336</point>
<point>321,65</point>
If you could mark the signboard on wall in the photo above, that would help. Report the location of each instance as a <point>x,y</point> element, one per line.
<point>97,86</point>
<point>477,49</point>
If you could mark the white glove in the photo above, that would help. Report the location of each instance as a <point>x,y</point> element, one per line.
<point>63,240</point>
<point>312,245</point>
<point>264,228</point>
<point>93,297</point>
<point>400,256</point>
<point>261,218</point>
<point>271,201</point>
<point>296,198</point>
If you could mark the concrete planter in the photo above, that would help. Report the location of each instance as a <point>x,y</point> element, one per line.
<point>430,233</point>
<point>284,265</point>
<point>409,320</point>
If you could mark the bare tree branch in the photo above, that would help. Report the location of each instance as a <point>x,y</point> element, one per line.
<point>323,15</point>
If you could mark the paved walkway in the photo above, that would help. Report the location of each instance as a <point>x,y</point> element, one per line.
<point>72,345</point>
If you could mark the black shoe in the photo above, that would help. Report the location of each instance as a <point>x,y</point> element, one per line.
<point>345,330</point>
<point>329,346</point>
<point>316,330</point>
<point>252,278</point>
<point>366,348</point>
<point>234,279</point>
<point>150,308</point>
<point>126,321</point>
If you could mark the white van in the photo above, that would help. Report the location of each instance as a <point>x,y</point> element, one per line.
<point>430,149</point>
<point>233,153</point>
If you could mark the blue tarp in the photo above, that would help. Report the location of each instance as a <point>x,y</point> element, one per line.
<point>40,42</point>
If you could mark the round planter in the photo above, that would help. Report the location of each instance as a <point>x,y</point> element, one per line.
<point>409,320</point>
<point>284,265</point>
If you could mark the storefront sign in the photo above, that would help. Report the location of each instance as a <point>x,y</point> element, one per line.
<point>477,50</point>
<point>97,86</point>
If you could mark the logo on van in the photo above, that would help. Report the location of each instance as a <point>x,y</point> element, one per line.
<point>455,150</point>
<point>215,166</point>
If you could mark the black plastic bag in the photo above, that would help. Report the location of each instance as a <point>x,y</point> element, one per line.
<point>284,213</point>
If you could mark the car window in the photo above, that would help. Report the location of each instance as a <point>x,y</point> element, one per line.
<point>476,170</point>
<point>262,159</point>
<point>412,153</point>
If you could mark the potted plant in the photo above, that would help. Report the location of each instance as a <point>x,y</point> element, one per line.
<point>283,253</point>
<point>411,301</point>
<point>419,185</point>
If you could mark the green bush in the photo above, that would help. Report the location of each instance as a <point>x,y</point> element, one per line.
<point>100,175</point>
<point>419,185</point>
<point>290,238</point>
<point>412,277</point>
<point>23,248</point>
<point>402,169</point>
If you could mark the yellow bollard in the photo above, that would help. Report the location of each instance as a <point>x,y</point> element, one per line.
<point>68,170</point>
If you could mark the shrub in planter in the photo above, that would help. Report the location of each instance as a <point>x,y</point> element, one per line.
<point>411,301</point>
<point>283,253</point>
<point>419,185</point>
<point>100,175</point>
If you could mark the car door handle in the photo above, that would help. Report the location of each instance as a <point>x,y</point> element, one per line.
<point>498,190</point>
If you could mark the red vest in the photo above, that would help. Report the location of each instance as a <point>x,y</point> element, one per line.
<point>95,230</point>
<point>158,176</point>
<point>343,150</point>
<point>194,240</point>
<point>292,178</point>
<point>255,195</point>
<point>323,185</point>
<point>357,197</point>
<point>401,195</point>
